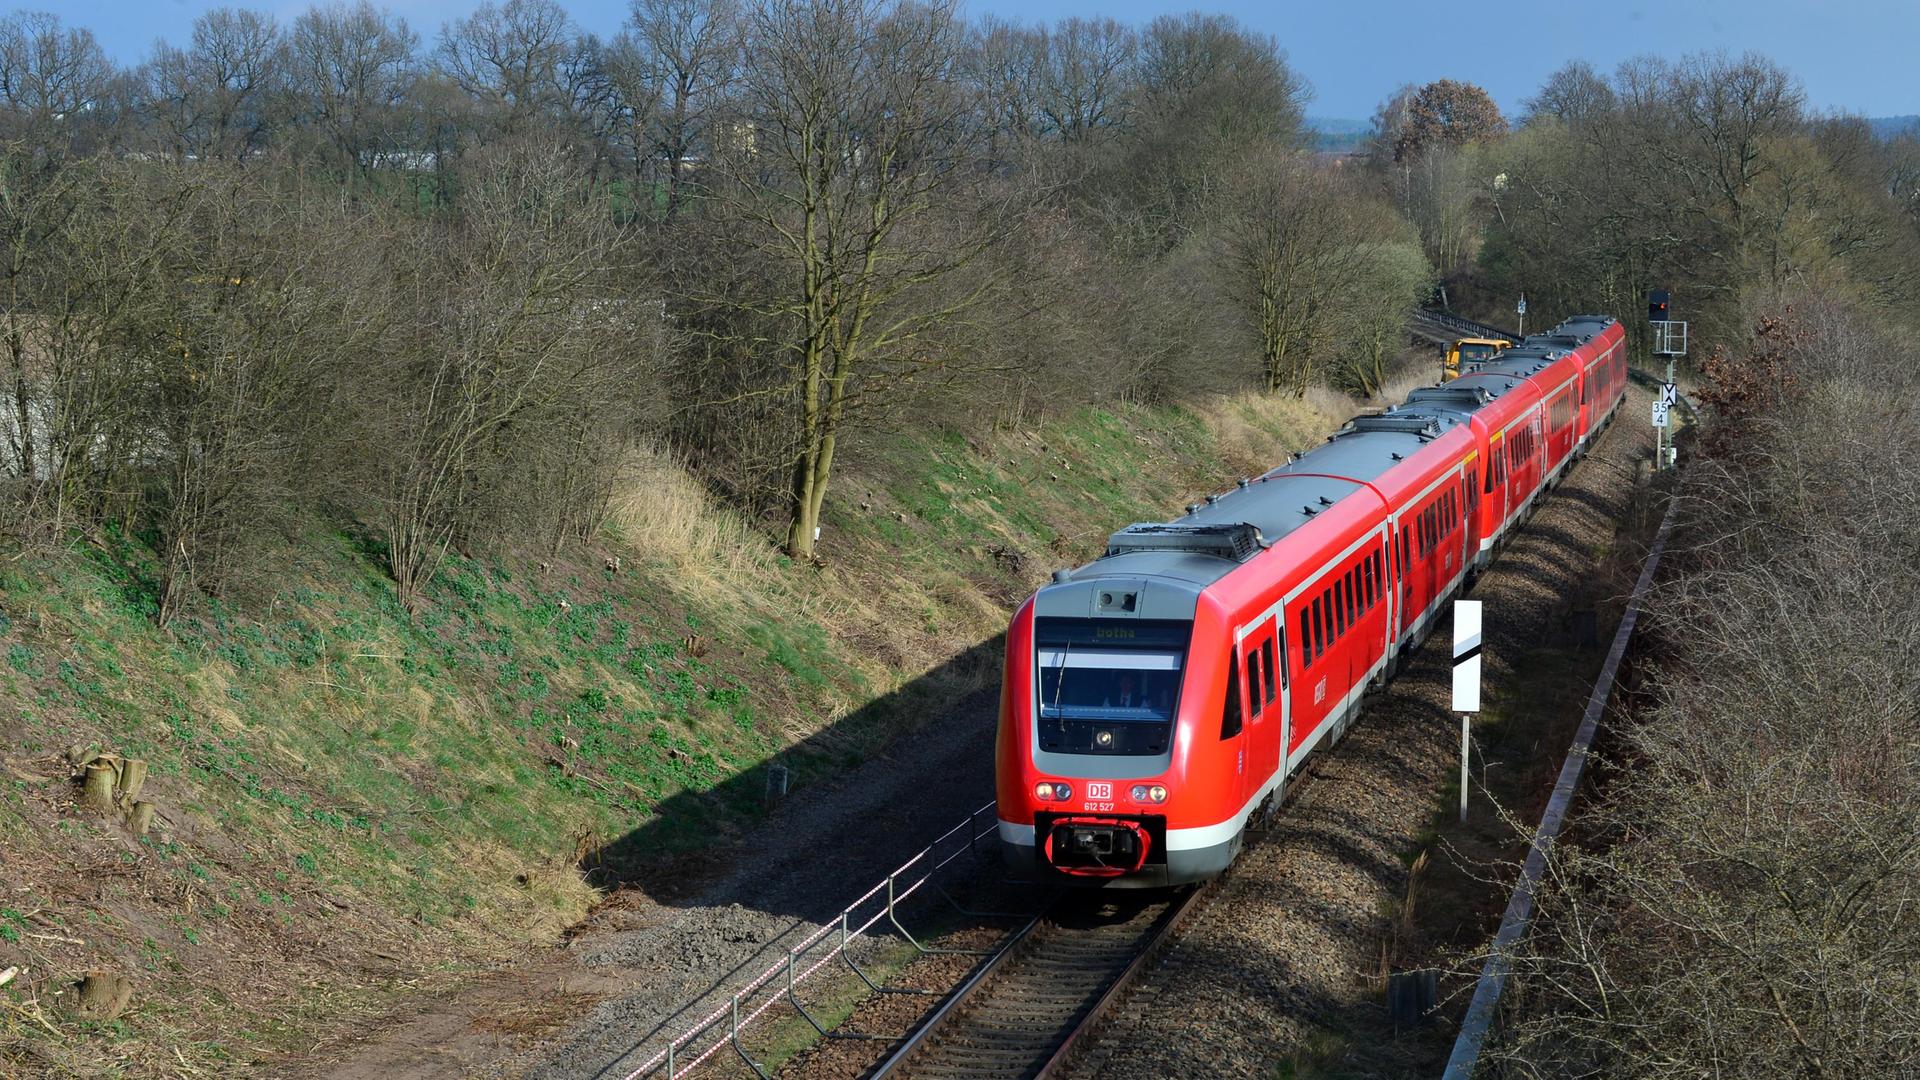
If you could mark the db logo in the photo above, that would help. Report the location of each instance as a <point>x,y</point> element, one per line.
<point>1099,791</point>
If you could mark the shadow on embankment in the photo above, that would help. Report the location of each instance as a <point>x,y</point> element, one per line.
<point>864,793</point>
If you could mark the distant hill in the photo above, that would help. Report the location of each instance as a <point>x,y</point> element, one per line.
<point>1884,127</point>
<point>1338,134</point>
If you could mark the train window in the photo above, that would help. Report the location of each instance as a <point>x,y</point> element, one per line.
<point>1343,602</point>
<point>1254,704</point>
<point>1353,596</point>
<point>1230,716</point>
<point>1305,639</point>
<point>1368,587</point>
<point>1266,667</point>
<point>1319,626</point>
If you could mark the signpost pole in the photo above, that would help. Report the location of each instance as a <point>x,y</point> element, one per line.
<point>1466,682</point>
<point>1465,750</point>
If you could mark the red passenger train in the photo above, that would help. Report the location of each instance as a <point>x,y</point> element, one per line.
<point>1157,697</point>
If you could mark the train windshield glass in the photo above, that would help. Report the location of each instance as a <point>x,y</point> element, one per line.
<point>1108,685</point>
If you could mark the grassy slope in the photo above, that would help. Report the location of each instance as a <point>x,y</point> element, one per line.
<point>350,800</point>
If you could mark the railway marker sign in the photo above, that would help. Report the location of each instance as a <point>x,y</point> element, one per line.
<point>1466,656</point>
<point>1659,413</point>
<point>1466,681</point>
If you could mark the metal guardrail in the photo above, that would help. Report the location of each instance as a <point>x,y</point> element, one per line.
<point>1469,327</point>
<point>1493,977</point>
<point>721,1028</point>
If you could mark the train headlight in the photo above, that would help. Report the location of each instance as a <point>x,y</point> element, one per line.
<point>1103,739</point>
<point>1149,793</point>
<point>1048,791</point>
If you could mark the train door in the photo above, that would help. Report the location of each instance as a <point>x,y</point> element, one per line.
<point>1495,487</point>
<point>1403,609</point>
<point>1470,489</point>
<point>1266,705</point>
<point>1233,726</point>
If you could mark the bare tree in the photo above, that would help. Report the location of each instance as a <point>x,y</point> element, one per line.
<point>352,67</point>
<point>52,79</point>
<point>1286,249</point>
<point>1208,93</point>
<point>1085,77</point>
<point>1575,94</point>
<point>1740,901</point>
<point>838,166</point>
<point>509,338</point>
<point>217,97</point>
<point>677,61</point>
<point>513,59</point>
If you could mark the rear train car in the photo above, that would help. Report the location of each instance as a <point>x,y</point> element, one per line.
<point>1157,699</point>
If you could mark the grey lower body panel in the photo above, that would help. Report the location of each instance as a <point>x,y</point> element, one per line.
<point>1183,867</point>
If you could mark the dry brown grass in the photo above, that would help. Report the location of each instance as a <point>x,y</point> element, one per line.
<point>667,515</point>
<point>1256,431</point>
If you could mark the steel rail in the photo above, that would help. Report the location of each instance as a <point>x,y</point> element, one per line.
<point>1076,1018</point>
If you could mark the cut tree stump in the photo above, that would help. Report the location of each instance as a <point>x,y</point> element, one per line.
<point>104,995</point>
<point>97,790</point>
<point>133,777</point>
<point>140,819</point>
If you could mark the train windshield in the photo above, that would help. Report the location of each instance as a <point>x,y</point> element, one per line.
<point>1108,686</point>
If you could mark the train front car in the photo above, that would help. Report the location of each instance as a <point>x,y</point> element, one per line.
<point>1090,764</point>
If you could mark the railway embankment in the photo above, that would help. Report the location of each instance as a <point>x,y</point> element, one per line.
<point>411,844</point>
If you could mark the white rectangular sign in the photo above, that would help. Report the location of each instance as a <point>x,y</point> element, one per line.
<point>1669,394</point>
<point>1659,414</point>
<point>1466,656</point>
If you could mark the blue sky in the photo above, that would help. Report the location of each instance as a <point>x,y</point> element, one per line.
<point>1852,55</point>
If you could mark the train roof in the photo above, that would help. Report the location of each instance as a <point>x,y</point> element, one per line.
<point>1158,569</point>
<point>1212,539</point>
